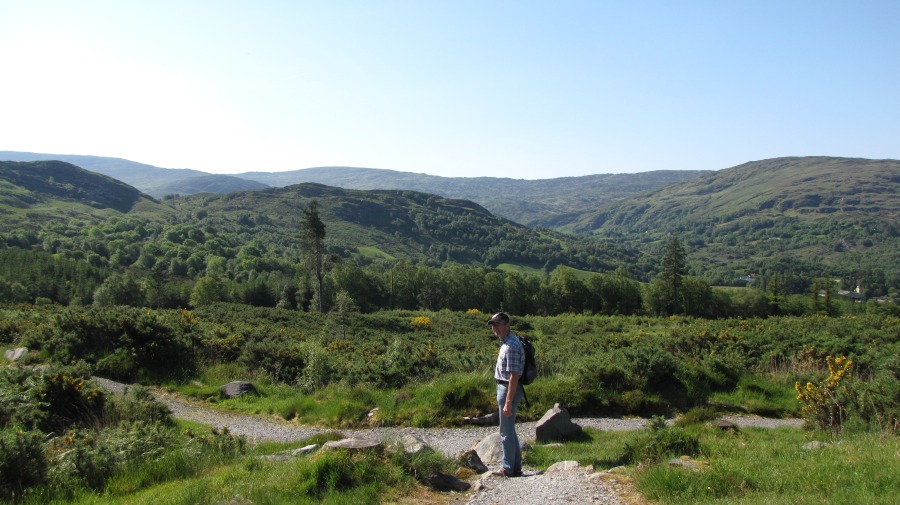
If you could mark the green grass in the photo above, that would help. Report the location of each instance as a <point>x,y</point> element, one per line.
<point>373,252</point>
<point>770,466</point>
<point>756,466</point>
<point>440,402</point>
<point>759,395</point>
<point>522,269</point>
<point>326,476</point>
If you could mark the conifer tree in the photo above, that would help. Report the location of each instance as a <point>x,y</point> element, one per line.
<point>672,273</point>
<point>312,240</point>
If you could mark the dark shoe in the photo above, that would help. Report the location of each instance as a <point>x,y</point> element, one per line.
<point>506,473</point>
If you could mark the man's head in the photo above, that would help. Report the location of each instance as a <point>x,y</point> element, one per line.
<point>499,324</point>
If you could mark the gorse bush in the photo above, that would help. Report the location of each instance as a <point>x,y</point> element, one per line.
<point>23,464</point>
<point>68,399</point>
<point>121,343</point>
<point>826,404</point>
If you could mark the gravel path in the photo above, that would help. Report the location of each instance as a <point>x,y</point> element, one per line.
<point>552,486</point>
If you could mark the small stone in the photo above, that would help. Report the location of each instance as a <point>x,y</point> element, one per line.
<point>470,459</point>
<point>563,466</point>
<point>815,445</point>
<point>308,449</point>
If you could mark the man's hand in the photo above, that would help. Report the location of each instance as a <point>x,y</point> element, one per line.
<point>511,391</point>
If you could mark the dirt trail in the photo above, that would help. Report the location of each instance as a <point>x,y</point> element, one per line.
<point>563,485</point>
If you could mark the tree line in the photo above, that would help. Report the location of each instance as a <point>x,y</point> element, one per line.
<point>36,277</point>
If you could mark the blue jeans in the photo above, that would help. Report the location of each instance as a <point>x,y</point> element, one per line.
<point>512,451</point>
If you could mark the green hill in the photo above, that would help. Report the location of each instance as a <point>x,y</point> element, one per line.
<point>814,215</point>
<point>61,208</point>
<point>44,191</point>
<point>407,225</point>
<point>151,180</point>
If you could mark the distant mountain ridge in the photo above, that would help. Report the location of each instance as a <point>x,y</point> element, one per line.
<point>152,180</point>
<point>546,202</point>
<point>56,206</point>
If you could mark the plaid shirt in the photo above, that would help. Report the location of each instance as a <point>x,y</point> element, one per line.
<point>511,358</point>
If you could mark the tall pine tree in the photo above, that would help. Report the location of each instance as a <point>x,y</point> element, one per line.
<point>672,273</point>
<point>312,240</point>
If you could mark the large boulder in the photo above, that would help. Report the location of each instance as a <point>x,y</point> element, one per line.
<point>556,425</point>
<point>235,389</point>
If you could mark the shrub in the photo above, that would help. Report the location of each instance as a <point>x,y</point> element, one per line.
<point>138,405</point>
<point>660,441</point>
<point>697,415</point>
<point>17,397</point>
<point>83,459</point>
<point>22,462</point>
<point>877,402</point>
<point>68,398</point>
<point>825,405</point>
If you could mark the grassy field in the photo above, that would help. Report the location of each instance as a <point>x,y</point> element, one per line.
<point>754,466</point>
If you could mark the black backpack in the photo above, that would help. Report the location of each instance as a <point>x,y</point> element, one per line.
<point>530,371</point>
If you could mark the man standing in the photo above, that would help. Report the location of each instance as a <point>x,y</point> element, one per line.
<point>510,364</point>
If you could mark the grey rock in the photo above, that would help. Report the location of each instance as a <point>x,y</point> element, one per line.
<point>290,454</point>
<point>16,354</point>
<point>726,425</point>
<point>235,389</point>
<point>490,449</point>
<point>307,449</point>
<point>563,466</point>
<point>413,444</point>
<point>686,463</point>
<point>492,419</point>
<point>472,461</point>
<point>815,445</point>
<point>556,425</point>
<point>355,444</point>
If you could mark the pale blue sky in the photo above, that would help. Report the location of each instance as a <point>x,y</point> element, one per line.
<point>518,89</point>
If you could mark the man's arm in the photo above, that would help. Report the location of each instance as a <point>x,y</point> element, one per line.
<point>511,391</point>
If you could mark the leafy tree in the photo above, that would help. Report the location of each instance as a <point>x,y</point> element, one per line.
<point>208,290</point>
<point>119,289</point>
<point>312,240</point>
<point>696,298</point>
<point>569,293</point>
